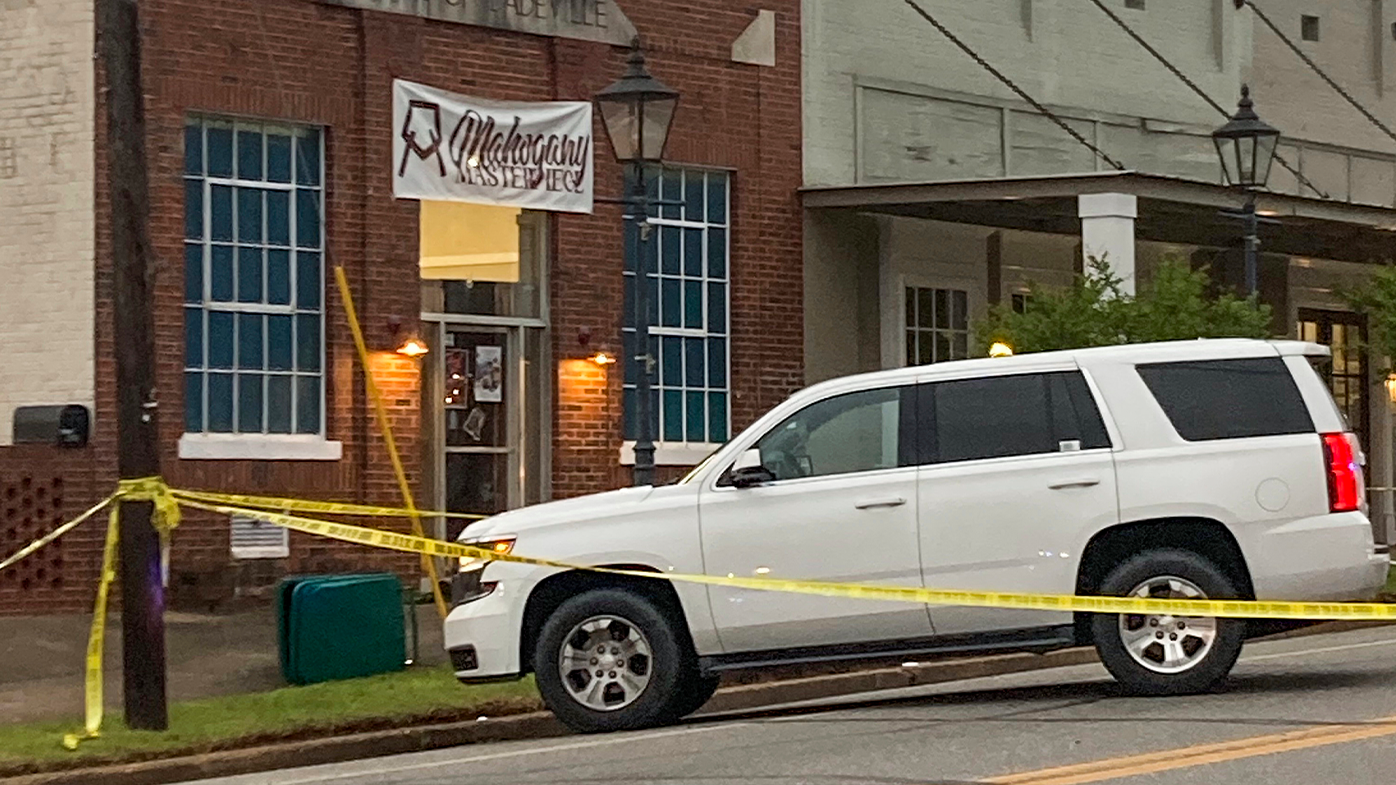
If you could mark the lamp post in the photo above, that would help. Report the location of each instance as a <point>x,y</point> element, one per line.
<point>637,111</point>
<point>1246,147</point>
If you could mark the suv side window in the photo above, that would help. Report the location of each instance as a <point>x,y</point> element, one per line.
<point>855,432</point>
<point>1228,399</point>
<point>1004,416</point>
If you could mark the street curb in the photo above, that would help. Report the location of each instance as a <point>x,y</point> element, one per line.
<point>334,749</point>
<point>538,725</point>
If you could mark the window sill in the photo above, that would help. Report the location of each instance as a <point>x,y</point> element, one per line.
<point>262,553</point>
<point>669,454</point>
<point>250,447</point>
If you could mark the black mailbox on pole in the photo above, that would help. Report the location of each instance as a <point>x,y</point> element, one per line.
<point>62,425</point>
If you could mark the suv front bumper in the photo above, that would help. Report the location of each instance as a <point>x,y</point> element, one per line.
<point>482,638</point>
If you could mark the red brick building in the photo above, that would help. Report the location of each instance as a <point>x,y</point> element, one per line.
<point>265,115</point>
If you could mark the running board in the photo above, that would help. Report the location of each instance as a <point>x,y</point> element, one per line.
<point>1038,640</point>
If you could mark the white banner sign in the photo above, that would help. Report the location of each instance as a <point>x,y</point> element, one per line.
<point>453,148</point>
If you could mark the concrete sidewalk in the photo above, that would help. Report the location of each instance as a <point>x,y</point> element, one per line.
<point>42,659</point>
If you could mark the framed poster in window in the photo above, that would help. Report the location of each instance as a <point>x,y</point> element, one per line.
<point>489,374</point>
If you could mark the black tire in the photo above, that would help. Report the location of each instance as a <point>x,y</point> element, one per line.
<point>669,667</point>
<point>1211,669</point>
<point>696,691</point>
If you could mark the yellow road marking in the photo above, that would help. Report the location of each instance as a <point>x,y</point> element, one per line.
<point>1201,755</point>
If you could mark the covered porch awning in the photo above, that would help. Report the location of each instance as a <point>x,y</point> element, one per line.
<point>1170,210</point>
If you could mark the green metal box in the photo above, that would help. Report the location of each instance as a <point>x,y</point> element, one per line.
<point>340,627</point>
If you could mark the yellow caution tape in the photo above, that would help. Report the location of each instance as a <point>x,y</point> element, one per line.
<point>96,638</point>
<point>381,413</point>
<point>1236,609</point>
<point>55,534</point>
<point>282,504</point>
<point>164,518</point>
<point>167,515</point>
<point>152,489</point>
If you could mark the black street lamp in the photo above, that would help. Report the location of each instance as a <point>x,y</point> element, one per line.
<point>637,112</point>
<point>1246,147</point>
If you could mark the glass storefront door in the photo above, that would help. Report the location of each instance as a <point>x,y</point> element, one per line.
<point>485,403</point>
<point>480,411</point>
<point>487,386</point>
<point>1345,333</point>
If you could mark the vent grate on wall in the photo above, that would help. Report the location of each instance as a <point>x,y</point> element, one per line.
<point>256,539</point>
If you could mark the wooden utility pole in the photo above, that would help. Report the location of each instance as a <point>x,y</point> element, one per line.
<point>142,582</point>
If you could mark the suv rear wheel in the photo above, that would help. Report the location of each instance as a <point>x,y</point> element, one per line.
<point>610,660</point>
<point>1162,654</point>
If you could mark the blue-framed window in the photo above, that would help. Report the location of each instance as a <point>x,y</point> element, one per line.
<point>688,275</point>
<point>254,349</point>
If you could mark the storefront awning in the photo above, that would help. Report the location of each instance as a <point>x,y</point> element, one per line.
<point>1171,210</point>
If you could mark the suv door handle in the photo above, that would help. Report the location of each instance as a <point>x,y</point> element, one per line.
<point>1080,482</point>
<point>888,501</point>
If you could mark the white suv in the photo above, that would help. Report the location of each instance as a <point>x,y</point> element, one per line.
<point>1210,468</point>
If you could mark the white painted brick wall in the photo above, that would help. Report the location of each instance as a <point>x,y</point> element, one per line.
<point>1293,98</point>
<point>46,205</point>
<point>1071,55</point>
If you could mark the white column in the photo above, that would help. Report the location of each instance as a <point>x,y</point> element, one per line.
<point>1380,454</point>
<point>1107,231</point>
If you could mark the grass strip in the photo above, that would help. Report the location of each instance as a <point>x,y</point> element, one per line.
<point>416,696</point>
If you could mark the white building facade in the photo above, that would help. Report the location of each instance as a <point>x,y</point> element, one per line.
<point>47,235</point>
<point>933,191</point>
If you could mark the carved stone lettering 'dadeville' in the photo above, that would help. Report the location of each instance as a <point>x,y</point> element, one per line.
<point>585,20</point>
<point>577,12</point>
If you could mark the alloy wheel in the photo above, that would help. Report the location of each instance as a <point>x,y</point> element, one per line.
<point>605,663</point>
<point>1164,643</point>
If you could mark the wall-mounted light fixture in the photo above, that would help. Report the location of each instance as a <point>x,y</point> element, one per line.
<point>406,340</point>
<point>1391,387</point>
<point>600,357</point>
<point>413,347</point>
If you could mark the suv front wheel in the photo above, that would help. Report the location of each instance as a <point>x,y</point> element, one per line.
<point>1161,654</point>
<point>610,660</point>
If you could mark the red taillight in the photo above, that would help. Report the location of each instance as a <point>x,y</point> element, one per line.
<point>1342,454</point>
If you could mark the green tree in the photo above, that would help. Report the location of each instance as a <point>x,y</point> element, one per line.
<point>1095,311</point>
<point>1376,300</point>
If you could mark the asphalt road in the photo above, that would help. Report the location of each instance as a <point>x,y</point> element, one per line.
<point>1297,712</point>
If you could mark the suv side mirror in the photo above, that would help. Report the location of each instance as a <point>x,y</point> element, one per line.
<point>750,476</point>
<point>748,459</point>
<point>748,471</point>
